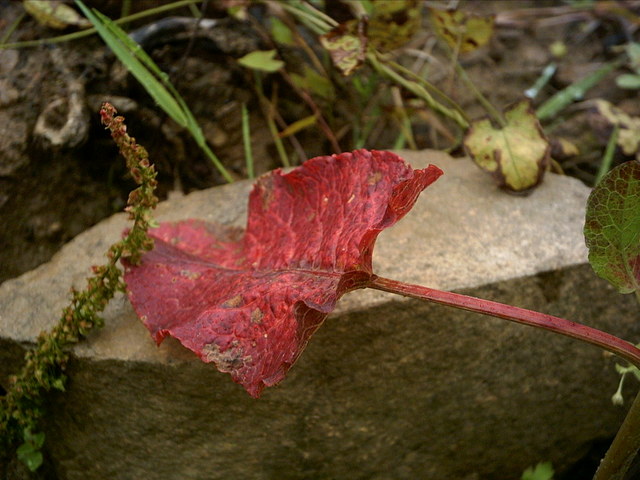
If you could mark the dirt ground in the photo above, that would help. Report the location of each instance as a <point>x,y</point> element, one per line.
<point>51,190</point>
<point>60,173</point>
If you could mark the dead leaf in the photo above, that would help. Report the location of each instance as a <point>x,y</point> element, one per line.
<point>55,14</point>
<point>517,155</point>
<point>629,127</point>
<point>464,32</point>
<point>249,301</point>
<point>347,45</point>
<point>393,23</point>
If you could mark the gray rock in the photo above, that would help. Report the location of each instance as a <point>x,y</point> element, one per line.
<point>388,388</point>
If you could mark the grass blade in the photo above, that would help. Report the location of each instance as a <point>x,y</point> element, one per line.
<point>155,81</point>
<point>246,141</point>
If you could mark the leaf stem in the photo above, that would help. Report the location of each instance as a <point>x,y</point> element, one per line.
<point>623,450</point>
<point>380,66</point>
<point>514,314</point>
<point>609,152</point>
<point>491,110</point>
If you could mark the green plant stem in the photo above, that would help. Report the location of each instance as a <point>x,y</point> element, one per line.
<point>314,19</point>
<point>429,86</point>
<point>90,31</point>
<point>268,112</point>
<point>624,448</point>
<point>213,157</point>
<point>23,405</point>
<point>11,29</point>
<point>322,123</point>
<point>575,91</point>
<point>246,141</point>
<point>404,121</point>
<point>491,110</point>
<point>607,159</point>
<point>416,89</point>
<point>155,82</point>
<point>514,314</point>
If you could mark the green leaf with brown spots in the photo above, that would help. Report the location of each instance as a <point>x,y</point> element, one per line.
<point>464,32</point>
<point>393,23</point>
<point>517,155</point>
<point>347,45</point>
<point>629,127</point>
<point>612,227</point>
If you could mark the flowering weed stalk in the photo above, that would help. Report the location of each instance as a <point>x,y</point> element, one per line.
<point>22,408</point>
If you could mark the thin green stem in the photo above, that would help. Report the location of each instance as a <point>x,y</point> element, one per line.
<point>268,112</point>
<point>11,29</point>
<point>429,86</point>
<point>491,110</point>
<point>313,18</point>
<point>246,141</point>
<point>416,89</point>
<point>216,161</point>
<point>624,448</point>
<point>514,314</point>
<point>90,31</point>
<point>607,159</point>
<point>22,407</point>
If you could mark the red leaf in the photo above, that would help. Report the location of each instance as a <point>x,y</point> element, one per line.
<point>249,303</point>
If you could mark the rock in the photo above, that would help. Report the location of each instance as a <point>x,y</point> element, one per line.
<point>388,388</point>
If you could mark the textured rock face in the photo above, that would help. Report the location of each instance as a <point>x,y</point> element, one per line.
<point>387,388</point>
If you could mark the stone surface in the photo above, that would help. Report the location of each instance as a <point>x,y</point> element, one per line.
<point>388,387</point>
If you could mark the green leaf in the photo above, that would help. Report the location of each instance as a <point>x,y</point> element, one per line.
<point>281,33</point>
<point>30,456</point>
<point>155,81</point>
<point>628,80</point>
<point>58,384</point>
<point>464,32</point>
<point>542,471</point>
<point>54,14</point>
<point>135,59</point>
<point>34,439</point>
<point>575,91</point>
<point>633,50</point>
<point>517,154</point>
<point>612,227</point>
<point>262,60</point>
<point>29,452</point>
<point>347,45</point>
<point>393,23</point>
<point>314,82</point>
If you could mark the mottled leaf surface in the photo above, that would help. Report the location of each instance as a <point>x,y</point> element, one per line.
<point>612,227</point>
<point>629,127</point>
<point>517,154</point>
<point>464,32</point>
<point>347,45</point>
<point>54,14</point>
<point>249,300</point>
<point>393,24</point>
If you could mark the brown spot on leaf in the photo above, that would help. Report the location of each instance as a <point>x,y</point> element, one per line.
<point>233,302</point>
<point>256,316</point>
<point>228,360</point>
<point>189,274</point>
<point>374,178</point>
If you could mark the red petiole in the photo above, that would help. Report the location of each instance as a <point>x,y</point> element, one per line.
<point>515,314</point>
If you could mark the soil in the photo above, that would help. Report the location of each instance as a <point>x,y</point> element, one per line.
<point>58,179</point>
